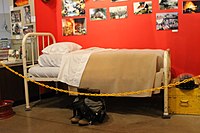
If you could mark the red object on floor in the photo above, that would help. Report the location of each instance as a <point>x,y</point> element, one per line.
<point>6,110</point>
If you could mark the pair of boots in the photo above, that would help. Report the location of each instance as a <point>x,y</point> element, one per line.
<point>81,121</point>
<point>78,118</point>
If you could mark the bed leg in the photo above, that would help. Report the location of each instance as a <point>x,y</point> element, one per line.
<point>27,107</point>
<point>166,80</point>
<point>166,106</point>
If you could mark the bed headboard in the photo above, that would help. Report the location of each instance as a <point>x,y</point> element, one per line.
<point>36,42</point>
<point>32,44</point>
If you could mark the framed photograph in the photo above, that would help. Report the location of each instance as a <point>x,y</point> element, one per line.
<point>73,8</point>
<point>168,4</point>
<point>167,21</point>
<point>98,14</point>
<point>27,15</point>
<point>27,29</point>
<point>74,26</point>
<point>191,7</point>
<point>17,3</point>
<point>17,29</point>
<point>142,7</point>
<point>15,16</point>
<point>118,12</point>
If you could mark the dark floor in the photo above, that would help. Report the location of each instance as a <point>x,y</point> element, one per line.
<point>124,115</point>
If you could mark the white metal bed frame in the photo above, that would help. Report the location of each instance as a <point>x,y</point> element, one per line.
<point>35,36</point>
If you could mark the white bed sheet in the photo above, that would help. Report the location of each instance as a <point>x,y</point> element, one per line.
<point>44,72</point>
<point>73,65</point>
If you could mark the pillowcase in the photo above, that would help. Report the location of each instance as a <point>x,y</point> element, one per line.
<point>50,60</point>
<point>61,48</point>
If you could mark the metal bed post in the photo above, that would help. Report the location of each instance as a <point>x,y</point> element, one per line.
<point>166,81</point>
<point>24,60</point>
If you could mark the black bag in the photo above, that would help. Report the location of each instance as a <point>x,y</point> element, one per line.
<point>188,85</point>
<point>91,108</point>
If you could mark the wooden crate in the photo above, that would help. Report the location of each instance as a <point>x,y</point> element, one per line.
<point>184,101</point>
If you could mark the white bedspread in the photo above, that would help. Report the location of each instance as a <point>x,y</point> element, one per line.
<point>78,59</point>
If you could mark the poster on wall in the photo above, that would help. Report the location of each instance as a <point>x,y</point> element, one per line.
<point>142,7</point>
<point>167,21</point>
<point>168,4</point>
<point>74,26</point>
<point>15,16</point>
<point>27,15</point>
<point>17,3</point>
<point>17,29</point>
<point>98,14</point>
<point>118,12</point>
<point>191,7</point>
<point>27,29</point>
<point>73,8</point>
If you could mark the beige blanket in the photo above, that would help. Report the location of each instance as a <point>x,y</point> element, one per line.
<point>123,70</point>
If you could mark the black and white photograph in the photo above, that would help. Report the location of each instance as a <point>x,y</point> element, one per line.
<point>118,12</point>
<point>191,7</point>
<point>73,8</point>
<point>168,4</point>
<point>17,28</point>
<point>167,21</point>
<point>142,7</point>
<point>98,14</point>
<point>27,14</point>
<point>15,16</point>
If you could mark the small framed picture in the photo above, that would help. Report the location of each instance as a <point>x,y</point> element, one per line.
<point>15,16</point>
<point>27,14</point>
<point>17,3</point>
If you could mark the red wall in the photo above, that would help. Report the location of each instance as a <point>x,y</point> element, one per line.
<point>46,16</point>
<point>137,31</point>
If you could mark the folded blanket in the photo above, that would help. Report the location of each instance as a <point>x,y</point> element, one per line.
<point>120,71</point>
<point>113,71</point>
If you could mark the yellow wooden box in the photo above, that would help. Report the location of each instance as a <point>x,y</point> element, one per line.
<point>184,101</point>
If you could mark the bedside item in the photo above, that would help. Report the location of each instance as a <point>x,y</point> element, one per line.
<point>184,101</point>
<point>11,55</point>
<point>6,110</point>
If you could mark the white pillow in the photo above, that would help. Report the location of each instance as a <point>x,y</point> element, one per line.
<point>61,48</point>
<point>50,60</point>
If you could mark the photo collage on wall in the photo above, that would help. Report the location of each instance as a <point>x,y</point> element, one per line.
<point>164,20</point>
<point>21,18</point>
<point>73,17</point>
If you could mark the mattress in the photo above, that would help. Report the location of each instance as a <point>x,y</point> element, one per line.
<point>44,72</point>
